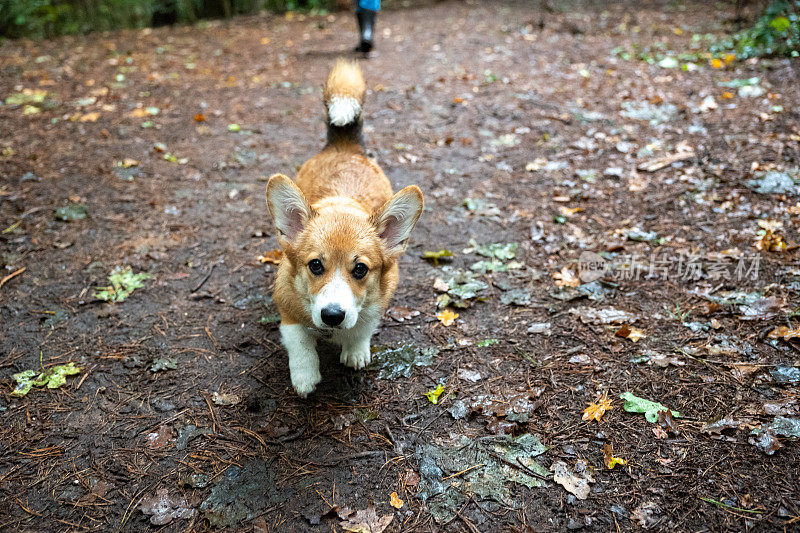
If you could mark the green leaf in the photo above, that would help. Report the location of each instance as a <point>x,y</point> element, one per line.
<point>498,250</point>
<point>123,283</point>
<point>52,378</point>
<point>487,342</point>
<point>780,24</point>
<point>634,404</point>
<point>71,212</point>
<point>433,395</point>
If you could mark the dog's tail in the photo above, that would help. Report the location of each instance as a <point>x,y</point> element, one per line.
<point>344,96</point>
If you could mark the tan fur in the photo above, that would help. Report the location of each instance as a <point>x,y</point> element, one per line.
<point>345,191</point>
<point>345,79</point>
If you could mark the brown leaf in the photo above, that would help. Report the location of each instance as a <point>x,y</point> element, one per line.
<point>159,439</point>
<point>608,457</point>
<point>629,332</point>
<point>666,422</point>
<point>783,332</point>
<point>401,314</point>
<point>271,256</point>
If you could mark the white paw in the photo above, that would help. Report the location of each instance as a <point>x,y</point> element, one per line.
<point>305,381</point>
<point>356,357</point>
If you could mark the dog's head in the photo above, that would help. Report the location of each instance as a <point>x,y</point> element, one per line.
<point>338,253</point>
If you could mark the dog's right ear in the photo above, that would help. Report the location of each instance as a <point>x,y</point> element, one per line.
<point>288,207</point>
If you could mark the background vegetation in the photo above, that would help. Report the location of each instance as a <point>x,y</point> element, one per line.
<point>776,32</point>
<point>47,18</point>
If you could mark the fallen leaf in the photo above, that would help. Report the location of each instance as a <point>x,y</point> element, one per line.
<point>629,332</point>
<point>395,501</point>
<point>595,411</point>
<point>609,459</point>
<point>567,277</point>
<point>89,117</point>
<point>159,439</point>
<point>199,117</point>
<point>71,212</point>
<point>770,242</point>
<point>164,507</point>
<point>634,404</point>
<point>574,483</point>
<point>226,399</point>
<point>52,378</point>
<point>433,395</point>
<point>401,314</point>
<point>766,441</point>
<point>783,332</point>
<point>366,521</point>
<point>435,257</point>
<point>608,315</point>
<point>447,317</point>
<point>271,256</point>
<point>646,514</point>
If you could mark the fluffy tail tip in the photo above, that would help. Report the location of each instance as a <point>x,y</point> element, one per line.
<point>344,93</point>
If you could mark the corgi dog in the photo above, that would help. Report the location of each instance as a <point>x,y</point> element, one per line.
<point>342,232</point>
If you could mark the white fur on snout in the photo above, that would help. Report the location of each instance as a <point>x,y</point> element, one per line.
<point>336,292</point>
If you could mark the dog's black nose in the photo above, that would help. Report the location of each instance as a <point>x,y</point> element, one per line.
<point>332,315</point>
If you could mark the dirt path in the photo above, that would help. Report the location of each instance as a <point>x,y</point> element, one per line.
<point>182,412</point>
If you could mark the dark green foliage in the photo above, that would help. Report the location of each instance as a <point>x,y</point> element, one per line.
<point>775,33</point>
<point>47,18</point>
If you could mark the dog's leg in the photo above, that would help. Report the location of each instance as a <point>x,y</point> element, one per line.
<point>355,343</point>
<point>303,359</point>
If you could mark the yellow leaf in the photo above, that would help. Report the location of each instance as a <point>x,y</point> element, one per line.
<point>433,395</point>
<point>395,501</point>
<point>727,95</point>
<point>566,278</point>
<point>609,459</point>
<point>716,63</point>
<point>771,242</point>
<point>595,411</point>
<point>569,211</point>
<point>271,256</point>
<point>90,117</point>
<point>447,317</point>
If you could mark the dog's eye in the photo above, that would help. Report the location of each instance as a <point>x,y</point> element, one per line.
<point>360,270</point>
<point>315,266</point>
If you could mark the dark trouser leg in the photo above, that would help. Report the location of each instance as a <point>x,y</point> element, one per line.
<point>365,12</point>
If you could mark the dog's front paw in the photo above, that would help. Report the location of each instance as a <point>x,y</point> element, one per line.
<point>357,356</point>
<point>305,381</point>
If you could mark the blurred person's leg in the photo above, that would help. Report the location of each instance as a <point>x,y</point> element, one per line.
<point>365,12</point>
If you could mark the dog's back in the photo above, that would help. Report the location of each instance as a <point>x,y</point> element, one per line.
<point>342,169</point>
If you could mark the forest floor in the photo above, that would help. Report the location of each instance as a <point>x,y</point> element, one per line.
<point>644,215</point>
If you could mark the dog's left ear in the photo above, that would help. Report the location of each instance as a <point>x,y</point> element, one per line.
<point>288,207</point>
<point>397,217</point>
